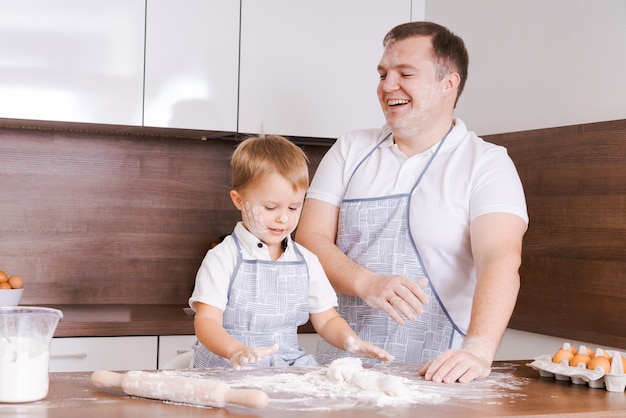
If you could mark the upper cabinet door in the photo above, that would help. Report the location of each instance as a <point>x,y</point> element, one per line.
<point>418,10</point>
<point>72,60</point>
<point>308,67</point>
<point>192,64</point>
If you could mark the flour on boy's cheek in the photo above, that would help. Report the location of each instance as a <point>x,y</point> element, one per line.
<point>253,219</point>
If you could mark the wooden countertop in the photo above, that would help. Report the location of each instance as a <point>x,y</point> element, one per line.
<point>72,395</point>
<point>100,320</point>
<point>95,320</point>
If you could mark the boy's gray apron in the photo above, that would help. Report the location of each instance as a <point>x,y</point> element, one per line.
<point>267,302</point>
<point>375,233</point>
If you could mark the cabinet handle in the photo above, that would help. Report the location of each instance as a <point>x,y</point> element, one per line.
<point>68,355</point>
<point>182,351</point>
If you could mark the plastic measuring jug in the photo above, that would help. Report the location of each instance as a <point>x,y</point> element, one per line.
<point>25,335</point>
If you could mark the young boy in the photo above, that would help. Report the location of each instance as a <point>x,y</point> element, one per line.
<point>257,286</point>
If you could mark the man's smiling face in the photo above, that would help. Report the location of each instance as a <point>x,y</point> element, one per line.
<point>409,90</point>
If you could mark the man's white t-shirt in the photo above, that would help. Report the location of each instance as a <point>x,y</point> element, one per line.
<point>467,178</point>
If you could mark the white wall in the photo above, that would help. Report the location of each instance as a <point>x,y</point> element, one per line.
<point>522,345</point>
<point>539,63</point>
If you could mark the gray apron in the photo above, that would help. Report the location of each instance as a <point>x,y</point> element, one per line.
<point>267,302</point>
<point>376,234</point>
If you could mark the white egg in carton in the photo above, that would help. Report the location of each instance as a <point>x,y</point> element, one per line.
<point>613,381</point>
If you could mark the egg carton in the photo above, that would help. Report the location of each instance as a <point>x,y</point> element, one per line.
<point>580,375</point>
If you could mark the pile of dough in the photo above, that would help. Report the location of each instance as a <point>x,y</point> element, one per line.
<point>350,370</point>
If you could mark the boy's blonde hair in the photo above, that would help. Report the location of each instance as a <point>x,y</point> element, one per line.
<point>259,156</point>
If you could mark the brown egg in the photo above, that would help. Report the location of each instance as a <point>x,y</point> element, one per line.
<point>16,282</point>
<point>562,354</point>
<point>3,277</point>
<point>580,358</point>
<point>5,285</point>
<point>600,361</point>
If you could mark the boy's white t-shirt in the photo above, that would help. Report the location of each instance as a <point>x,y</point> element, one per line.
<point>215,272</point>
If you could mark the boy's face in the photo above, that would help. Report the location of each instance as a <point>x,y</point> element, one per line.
<point>270,209</point>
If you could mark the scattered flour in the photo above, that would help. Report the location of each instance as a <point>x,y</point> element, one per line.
<point>346,383</point>
<point>335,387</point>
<point>350,370</point>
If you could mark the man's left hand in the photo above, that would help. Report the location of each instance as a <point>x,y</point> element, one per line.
<point>456,366</point>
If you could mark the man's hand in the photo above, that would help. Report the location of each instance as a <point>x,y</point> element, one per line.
<point>463,365</point>
<point>395,294</point>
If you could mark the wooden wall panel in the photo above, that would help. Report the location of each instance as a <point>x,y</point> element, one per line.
<point>574,257</point>
<point>124,218</point>
<point>111,218</point>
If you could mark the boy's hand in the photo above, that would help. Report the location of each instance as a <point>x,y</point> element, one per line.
<point>360,348</point>
<point>251,355</point>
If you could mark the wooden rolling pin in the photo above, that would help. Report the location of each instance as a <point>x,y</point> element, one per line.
<point>180,389</point>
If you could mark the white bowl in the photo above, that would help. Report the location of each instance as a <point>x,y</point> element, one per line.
<point>10,297</point>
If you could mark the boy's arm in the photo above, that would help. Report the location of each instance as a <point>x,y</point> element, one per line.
<point>212,335</point>
<point>334,329</point>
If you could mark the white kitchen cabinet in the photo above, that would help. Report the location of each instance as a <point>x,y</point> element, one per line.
<point>299,67</point>
<point>309,342</point>
<point>72,60</point>
<point>75,354</point>
<point>308,68</point>
<point>172,346</point>
<point>192,62</point>
<point>418,10</point>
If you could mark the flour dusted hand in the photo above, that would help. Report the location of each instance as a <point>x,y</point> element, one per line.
<point>462,365</point>
<point>249,355</point>
<point>396,295</point>
<point>360,348</point>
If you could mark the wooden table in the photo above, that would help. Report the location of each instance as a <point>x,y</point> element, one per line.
<point>71,395</point>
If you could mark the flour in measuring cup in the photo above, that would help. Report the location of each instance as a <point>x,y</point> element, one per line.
<point>23,369</point>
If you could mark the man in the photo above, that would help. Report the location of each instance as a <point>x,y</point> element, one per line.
<point>419,225</point>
